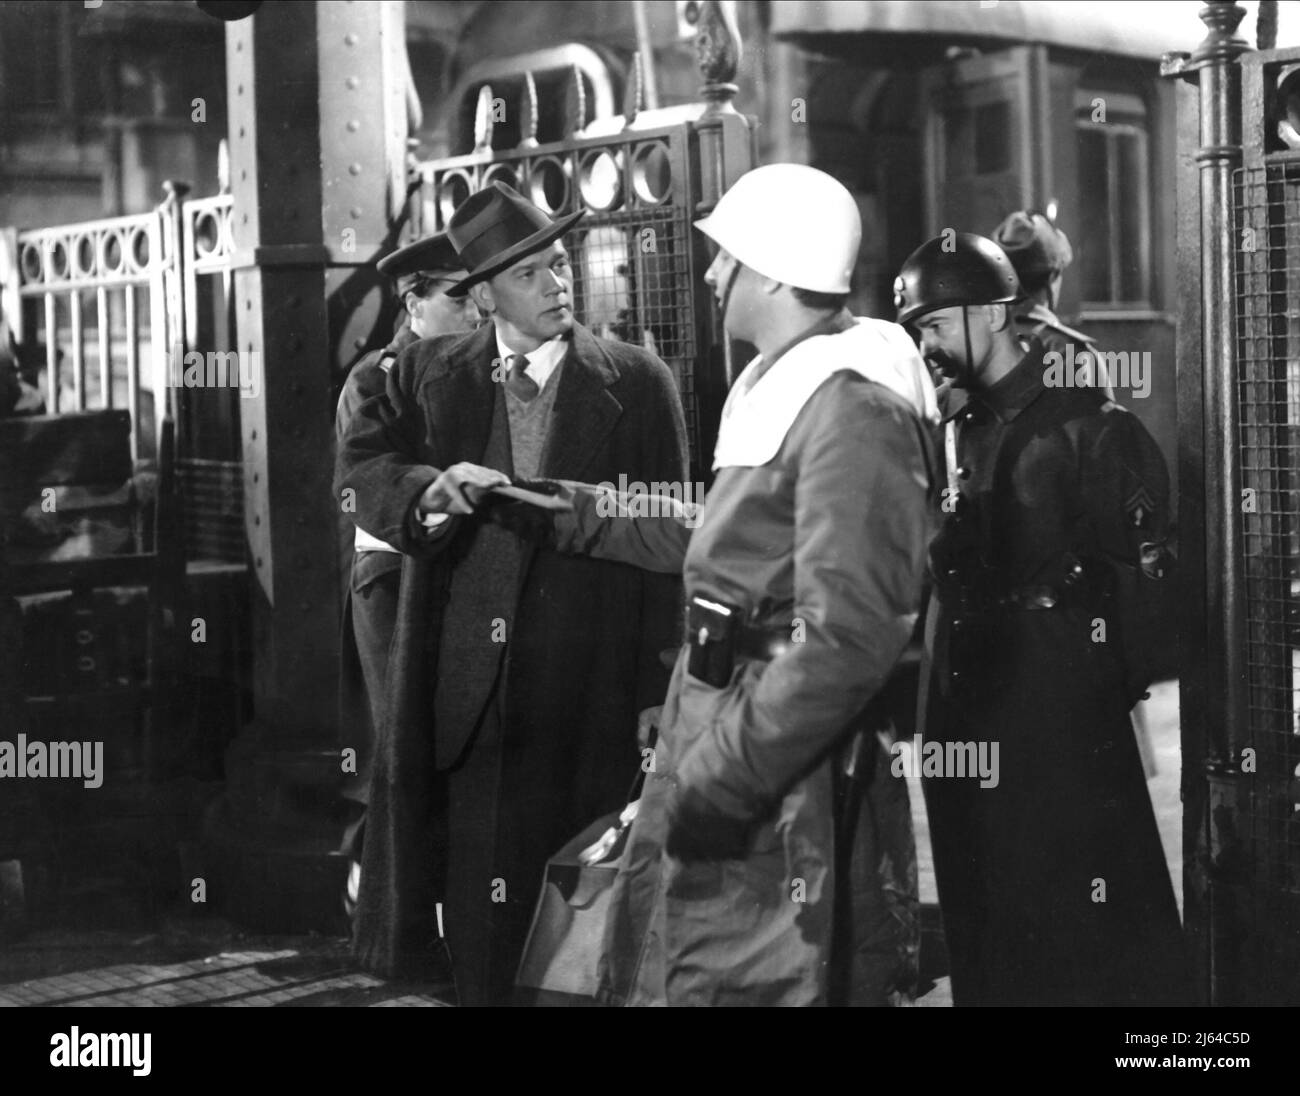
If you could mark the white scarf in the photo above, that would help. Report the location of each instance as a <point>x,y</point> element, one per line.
<point>757,416</point>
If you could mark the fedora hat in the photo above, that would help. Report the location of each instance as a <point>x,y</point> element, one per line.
<point>428,255</point>
<point>496,227</point>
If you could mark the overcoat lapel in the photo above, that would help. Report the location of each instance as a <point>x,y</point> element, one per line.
<point>459,398</point>
<point>585,412</point>
<point>584,416</point>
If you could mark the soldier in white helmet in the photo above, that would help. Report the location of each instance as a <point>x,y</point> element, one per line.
<point>754,874</point>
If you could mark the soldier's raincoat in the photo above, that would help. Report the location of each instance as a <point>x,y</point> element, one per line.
<point>816,524</point>
<point>1052,882</point>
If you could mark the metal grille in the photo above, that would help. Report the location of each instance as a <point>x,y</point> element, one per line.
<point>632,253</point>
<point>213,502</point>
<point>1267,288</point>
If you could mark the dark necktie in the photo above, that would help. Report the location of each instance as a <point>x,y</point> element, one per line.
<point>517,381</point>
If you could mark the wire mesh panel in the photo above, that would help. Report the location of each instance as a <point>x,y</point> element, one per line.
<point>633,255</point>
<point>1267,200</point>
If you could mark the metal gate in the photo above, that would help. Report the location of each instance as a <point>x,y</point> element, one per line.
<point>638,266</point>
<point>1266,197</point>
<point>1239,412</point>
<point>112,307</point>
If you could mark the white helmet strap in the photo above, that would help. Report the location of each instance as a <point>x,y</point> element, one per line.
<point>731,284</point>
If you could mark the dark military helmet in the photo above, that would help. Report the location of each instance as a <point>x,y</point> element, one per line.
<point>1036,247</point>
<point>954,269</point>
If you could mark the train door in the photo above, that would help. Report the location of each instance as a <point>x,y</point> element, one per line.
<point>984,138</point>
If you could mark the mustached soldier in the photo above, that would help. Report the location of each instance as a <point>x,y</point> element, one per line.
<point>1049,574</point>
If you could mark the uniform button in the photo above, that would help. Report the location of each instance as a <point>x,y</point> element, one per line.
<point>963,472</point>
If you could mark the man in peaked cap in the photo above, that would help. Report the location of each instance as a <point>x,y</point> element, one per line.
<point>516,674</point>
<point>1050,575</point>
<point>371,568</point>
<point>1040,252</point>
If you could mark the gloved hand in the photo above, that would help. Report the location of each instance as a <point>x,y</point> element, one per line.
<point>696,832</point>
<point>526,521</point>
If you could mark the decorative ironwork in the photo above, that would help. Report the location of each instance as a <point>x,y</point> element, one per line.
<point>100,278</point>
<point>528,113</point>
<point>1222,42</point>
<point>117,303</point>
<point>635,264</point>
<point>642,178</point>
<point>483,120</point>
<point>634,94</point>
<point>717,46</point>
<point>575,104</point>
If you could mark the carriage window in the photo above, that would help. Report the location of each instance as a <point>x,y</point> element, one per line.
<point>1114,255</point>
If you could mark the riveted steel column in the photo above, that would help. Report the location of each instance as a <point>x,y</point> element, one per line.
<point>317,146</point>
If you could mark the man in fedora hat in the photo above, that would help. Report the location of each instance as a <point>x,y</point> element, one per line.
<point>370,567</point>
<point>516,674</point>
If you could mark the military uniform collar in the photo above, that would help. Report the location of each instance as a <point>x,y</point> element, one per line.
<point>1018,389</point>
<point>1041,315</point>
<point>401,340</point>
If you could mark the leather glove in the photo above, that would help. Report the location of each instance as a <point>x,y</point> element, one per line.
<point>526,521</point>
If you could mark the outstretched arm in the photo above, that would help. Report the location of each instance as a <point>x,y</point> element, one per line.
<point>649,531</point>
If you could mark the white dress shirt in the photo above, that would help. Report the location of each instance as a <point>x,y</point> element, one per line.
<point>542,362</point>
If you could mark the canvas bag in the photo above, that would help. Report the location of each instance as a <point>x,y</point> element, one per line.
<point>565,939</point>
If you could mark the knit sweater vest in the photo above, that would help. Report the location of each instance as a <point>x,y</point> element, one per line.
<point>530,426</point>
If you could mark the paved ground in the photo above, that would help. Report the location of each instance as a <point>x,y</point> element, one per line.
<point>185,960</point>
<point>197,962</point>
<point>1161,717</point>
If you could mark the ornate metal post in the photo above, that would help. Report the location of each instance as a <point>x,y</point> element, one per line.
<point>727,151</point>
<point>1215,645</point>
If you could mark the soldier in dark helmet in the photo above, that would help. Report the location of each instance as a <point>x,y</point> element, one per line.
<point>1050,573</point>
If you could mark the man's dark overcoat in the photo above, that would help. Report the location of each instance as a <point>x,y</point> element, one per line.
<point>370,583</point>
<point>553,655</point>
<point>1052,879</point>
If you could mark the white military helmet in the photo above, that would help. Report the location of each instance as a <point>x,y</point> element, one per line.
<point>792,223</point>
